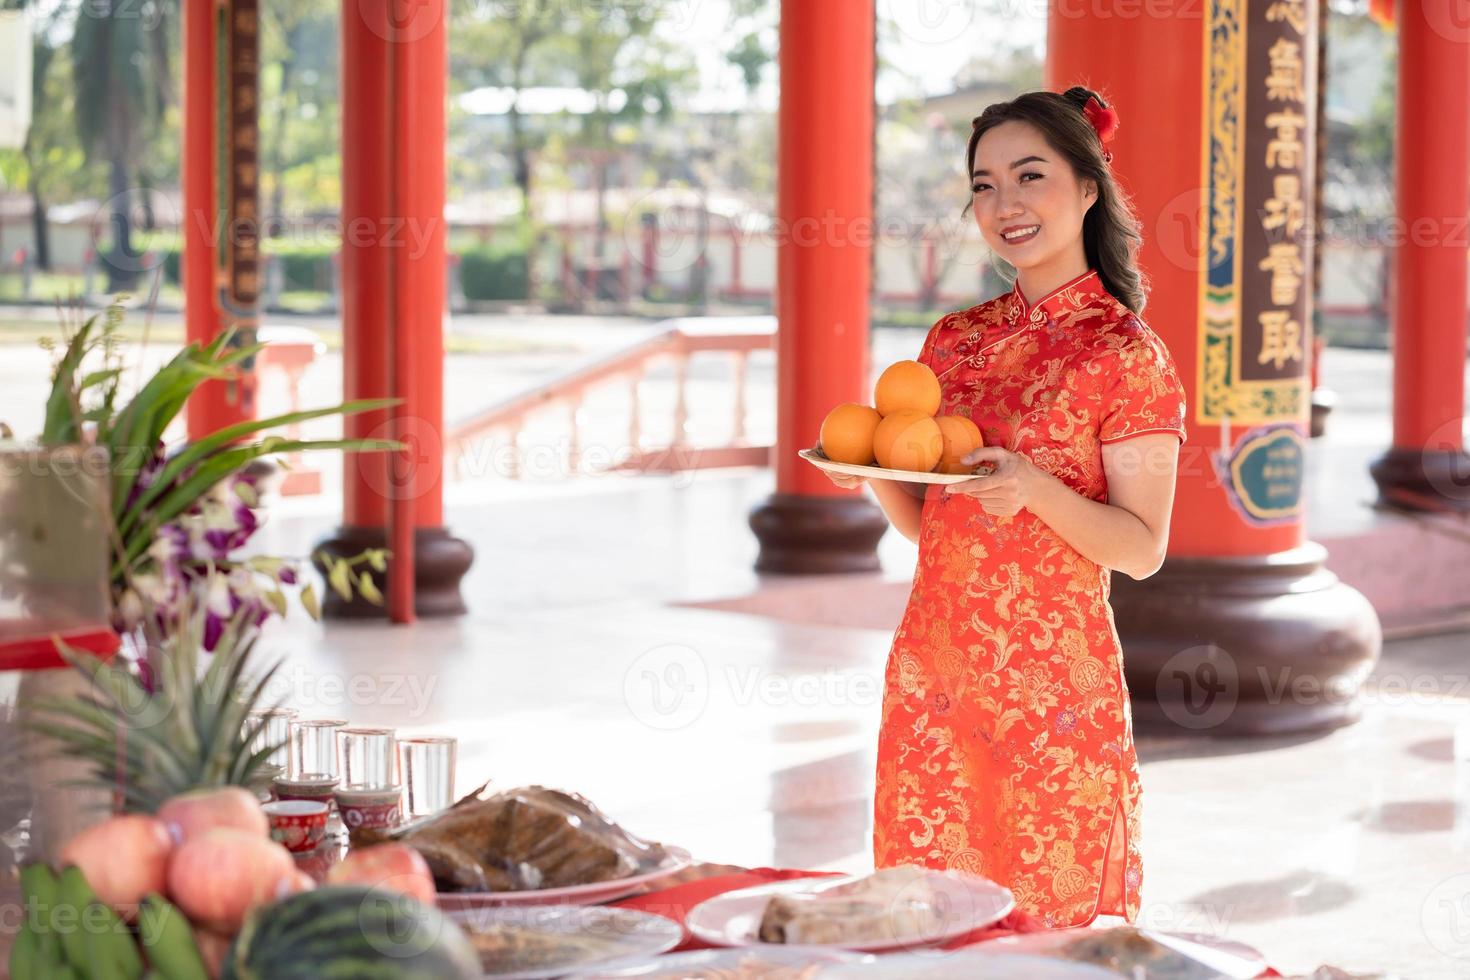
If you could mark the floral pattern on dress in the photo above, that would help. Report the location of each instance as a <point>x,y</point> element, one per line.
<point>1006,736</point>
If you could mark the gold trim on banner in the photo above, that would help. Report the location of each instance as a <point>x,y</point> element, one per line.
<point>1222,394</point>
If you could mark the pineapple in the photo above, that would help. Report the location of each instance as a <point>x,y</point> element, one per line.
<point>189,733</point>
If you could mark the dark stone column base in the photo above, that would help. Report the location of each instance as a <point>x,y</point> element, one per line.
<point>1423,479</point>
<point>440,562</point>
<point>1323,402</point>
<point>805,535</point>
<point>1259,645</point>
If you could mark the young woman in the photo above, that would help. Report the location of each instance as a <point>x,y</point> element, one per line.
<point>1006,741</point>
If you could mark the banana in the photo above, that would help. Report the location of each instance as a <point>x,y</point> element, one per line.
<point>73,895</point>
<point>24,955</point>
<point>38,884</point>
<point>168,941</point>
<point>112,952</point>
<point>98,945</point>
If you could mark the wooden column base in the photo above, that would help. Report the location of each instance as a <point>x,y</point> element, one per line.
<point>805,535</point>
<point>1245,646</point>
<point>1423,479</point>
<point>440,561</point>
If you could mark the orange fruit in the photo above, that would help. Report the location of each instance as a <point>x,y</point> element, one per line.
<point>908,440</point>
<point>847,433</point>
<point>961,436</point>
<point>907,385</point>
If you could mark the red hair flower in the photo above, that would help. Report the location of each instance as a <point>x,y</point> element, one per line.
<point>1104,120</point>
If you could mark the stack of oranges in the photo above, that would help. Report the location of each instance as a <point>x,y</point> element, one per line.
<point>904,431</point>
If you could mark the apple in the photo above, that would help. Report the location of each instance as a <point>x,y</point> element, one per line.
<point>396,867</point>
<point>190,814</point>
<point>123,858</point>
<point>217,877</point>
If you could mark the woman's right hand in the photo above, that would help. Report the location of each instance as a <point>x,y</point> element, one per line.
<point>844,481</point>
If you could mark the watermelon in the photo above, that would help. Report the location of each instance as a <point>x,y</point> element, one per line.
<point>350,931</point>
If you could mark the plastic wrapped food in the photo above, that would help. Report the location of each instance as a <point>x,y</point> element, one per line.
<point>526,838</point>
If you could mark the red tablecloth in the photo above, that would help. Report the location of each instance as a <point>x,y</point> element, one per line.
<point>676,901</point>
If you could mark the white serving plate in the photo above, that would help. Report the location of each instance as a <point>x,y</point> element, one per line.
<point>881,473</point>
<point>677,860</point>
<point>733,919</point>
<point>1225,956</point>
<point>631,936</point>
<point>966,964</point>
<point>776,962</point>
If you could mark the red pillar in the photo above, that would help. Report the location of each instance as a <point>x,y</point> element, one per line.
<point>215,404</point>
<point>824,245</point>
<point>1426,467</point>
<point>1243,630</point>
<point>394,66</point>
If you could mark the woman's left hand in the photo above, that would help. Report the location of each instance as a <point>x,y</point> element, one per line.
<point>1007,488</point>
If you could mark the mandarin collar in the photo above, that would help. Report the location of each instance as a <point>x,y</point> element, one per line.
<point>1070,295</point>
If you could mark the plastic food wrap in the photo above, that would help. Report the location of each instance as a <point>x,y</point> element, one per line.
<point>526,838</point>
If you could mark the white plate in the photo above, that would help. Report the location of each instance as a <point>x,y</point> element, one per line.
<point>880,473</point>
<point>775,962</point>
<point>965,964</point>
<point>1225,956</point>
<point>630,936</point>
<point>677,859</point>
<point>734,918</point>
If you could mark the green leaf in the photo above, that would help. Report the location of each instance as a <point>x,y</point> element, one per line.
<point>369,589</point>
<point>308,600</point>
<point>339,577</point>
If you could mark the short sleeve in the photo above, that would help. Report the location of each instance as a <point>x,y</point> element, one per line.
<point>926,354</point>
<point>1141,390</point>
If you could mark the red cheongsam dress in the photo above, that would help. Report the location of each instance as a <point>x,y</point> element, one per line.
<point>1006,741</point>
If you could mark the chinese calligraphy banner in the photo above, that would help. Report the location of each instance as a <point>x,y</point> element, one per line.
<point>1255,312</point>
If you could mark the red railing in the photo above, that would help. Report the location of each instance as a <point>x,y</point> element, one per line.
<point>738,337</point>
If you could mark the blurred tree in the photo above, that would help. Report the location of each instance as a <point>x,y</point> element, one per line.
<point>121,72</point>
<point>492,45</point>
<point>300,118</point>
<point>50,164</point>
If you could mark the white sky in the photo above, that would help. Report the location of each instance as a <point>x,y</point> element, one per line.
<point>932,41</point>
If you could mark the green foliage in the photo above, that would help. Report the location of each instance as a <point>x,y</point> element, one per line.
<point>143,501</point>
<point>499,270</point>
<point>189,732</point>
<point>304,266</point>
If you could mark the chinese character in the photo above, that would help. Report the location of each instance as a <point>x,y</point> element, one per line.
<point>1291,11</point>
<point>1284,83</point>
<point>1285,265</point>
<point>1281,338</point>
<point>1286,207</point>
<point>1287,149</point>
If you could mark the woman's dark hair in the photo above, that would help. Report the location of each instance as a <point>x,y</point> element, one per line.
<point>1110,230</point>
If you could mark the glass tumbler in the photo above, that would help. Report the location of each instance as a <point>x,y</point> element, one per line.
<point>426,765</point>
<point>314,748</point>
<point>366,757</point>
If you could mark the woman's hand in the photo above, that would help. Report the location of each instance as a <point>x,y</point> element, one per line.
<point>844,481</point>
<point>1007,488</point>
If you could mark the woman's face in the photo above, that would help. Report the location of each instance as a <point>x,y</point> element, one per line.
<point>1020,183</point>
